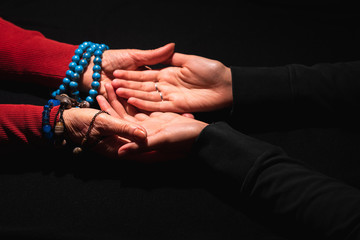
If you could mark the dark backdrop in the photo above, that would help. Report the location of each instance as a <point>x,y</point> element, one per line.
<point>50,195</point>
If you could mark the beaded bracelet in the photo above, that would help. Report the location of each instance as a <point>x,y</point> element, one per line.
<point>46,127</point>
<point>77,66</point>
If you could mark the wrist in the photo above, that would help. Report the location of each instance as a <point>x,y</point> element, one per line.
<point>228,85</point>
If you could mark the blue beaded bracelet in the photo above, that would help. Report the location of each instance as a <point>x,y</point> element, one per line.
<point>46,127</point>
<point>77,66</point>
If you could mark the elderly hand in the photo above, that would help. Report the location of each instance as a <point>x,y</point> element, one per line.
<point>170,135</point>
<point>107,134</point>
<point>129,59</point>
<point>191,84</point>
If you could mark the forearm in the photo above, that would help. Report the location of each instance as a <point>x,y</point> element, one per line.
<point>281,186</point>
<point>22,123</point>
<point>296,94</point>
<point>28,56</point>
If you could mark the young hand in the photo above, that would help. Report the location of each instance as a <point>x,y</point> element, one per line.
<point>169,135</point>
<point>191,84</point>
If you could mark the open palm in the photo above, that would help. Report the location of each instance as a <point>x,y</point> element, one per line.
<point>169,135</point>
<point>190,84</point>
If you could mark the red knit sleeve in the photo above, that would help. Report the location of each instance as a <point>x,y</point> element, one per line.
<point>29,56</point>
<point>22,123</point>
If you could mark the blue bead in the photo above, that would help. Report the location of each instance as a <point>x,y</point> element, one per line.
<point>95,85</point>
<point>46,128</point>
<point>86,44</point>
<point>93,93</point>
<point>75,58</point>
<point>51,102</point>
<point>75,77</point>
<point>79,69</point>
<point>49,135</point>
<point>89,99</point>
<point>82,47</point>
<point>97,68</point>
<point>46,119</point>
<point>83,63</point>
<point>66,81</point>
<point>102,47</point>
<point>73,84</point>
<point>96,76</point>
<point>62,87</point>
<point>98,53</point>
<point>54,102</point>
<point>79,52</point>
<point>72,66</point>
<point>90,50</point>
<point>75,93</point>
<point>69,74</point>
<point>87,56</point>
<point>53,94</point>
<point>97,60</point>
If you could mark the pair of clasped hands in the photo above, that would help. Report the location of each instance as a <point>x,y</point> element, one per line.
<point>149,121</point>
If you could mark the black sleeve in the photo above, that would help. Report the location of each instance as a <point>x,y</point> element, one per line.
<point>326,94</point>
<point>284,187</point>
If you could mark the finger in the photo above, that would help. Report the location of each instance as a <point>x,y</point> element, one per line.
<point>153,143</point>
<point>114,101</point>
<point>188,115</point>
<point>108,125</point>
<point>143,86</point>
<point>105,106</point>
<point>147,75</point>
<point>151,57</point>
<point>141,116</point>
<point>148,96</point>
<point>110,145</point>
<point>164,106</point>
<point>178,59</point>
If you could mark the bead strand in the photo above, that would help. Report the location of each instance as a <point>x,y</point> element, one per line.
<point>77,66</point>
<point>46,127</point>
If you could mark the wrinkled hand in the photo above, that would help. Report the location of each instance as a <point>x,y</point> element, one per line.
<point>108,133</point>
<point>170,135</point>
<point>191,84</point>
<point>129,59</point>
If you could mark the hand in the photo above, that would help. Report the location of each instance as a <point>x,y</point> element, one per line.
<point>108,133</point>
<point>170,135</point>
<point>191,84</point>
<point>130,59</point>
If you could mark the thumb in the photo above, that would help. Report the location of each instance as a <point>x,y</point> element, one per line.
<point>108,125</point>
<point>154,56</point>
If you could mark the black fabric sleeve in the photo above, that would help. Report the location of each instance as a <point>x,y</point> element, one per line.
<point>323,94</point>
<point>280,185</point>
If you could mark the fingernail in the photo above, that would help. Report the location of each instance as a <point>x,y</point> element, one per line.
<point>140,134</point>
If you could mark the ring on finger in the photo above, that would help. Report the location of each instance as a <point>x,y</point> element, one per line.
<point>161,96</point>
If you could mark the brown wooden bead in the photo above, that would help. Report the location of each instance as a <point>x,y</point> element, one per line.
<point>59,128</point>
<point>77,150</point>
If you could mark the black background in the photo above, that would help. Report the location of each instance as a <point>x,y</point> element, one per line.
<point>51,195</point>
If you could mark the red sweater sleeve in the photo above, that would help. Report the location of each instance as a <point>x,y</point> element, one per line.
<point>28,56</point>
<point>22,123</point>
